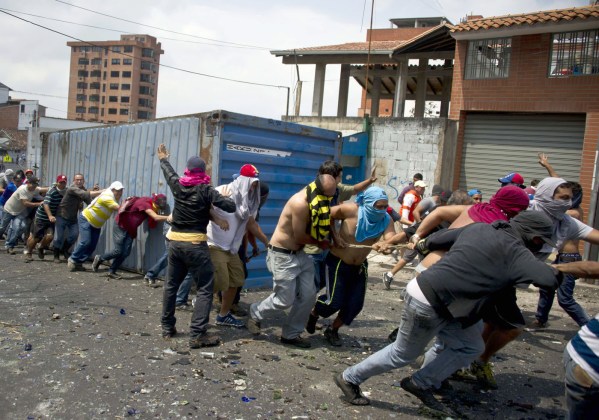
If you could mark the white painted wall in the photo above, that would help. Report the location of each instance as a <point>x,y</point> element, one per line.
<point>401,147</point>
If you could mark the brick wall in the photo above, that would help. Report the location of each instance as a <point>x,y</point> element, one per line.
<point>9,116</point>
<point>528,89</point>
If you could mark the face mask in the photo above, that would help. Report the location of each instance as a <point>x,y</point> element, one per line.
<point>557,208</point>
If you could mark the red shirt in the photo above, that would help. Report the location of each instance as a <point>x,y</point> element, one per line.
<point>133,213</point>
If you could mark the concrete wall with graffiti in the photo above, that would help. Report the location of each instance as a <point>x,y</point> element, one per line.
<point>400,147</point>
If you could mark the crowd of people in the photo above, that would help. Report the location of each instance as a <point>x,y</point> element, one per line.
<point>470,257</point>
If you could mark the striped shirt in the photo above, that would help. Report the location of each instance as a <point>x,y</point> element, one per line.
<point>584,348</point>
<point>99,210</point>
<point>52,199</point>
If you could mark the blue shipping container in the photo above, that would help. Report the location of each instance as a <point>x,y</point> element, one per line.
<point>287,156</point>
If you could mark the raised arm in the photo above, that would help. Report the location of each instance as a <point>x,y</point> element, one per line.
<point>544,162</point>
<point>361,186</point>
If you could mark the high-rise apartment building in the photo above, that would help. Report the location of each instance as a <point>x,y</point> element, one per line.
<point>114,81</point>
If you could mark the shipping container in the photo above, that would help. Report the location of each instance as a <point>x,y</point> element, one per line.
<point>287,156</point>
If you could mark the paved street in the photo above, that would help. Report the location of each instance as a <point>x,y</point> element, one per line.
<point>79,345</point>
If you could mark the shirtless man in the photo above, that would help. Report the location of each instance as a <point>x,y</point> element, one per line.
<point>304,220</point>
<point>364,221</point>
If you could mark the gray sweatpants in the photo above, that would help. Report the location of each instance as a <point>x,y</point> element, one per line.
<point>293,287</point>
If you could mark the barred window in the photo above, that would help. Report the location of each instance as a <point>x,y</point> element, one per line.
<point>488,58</point>
<point>574,54</point>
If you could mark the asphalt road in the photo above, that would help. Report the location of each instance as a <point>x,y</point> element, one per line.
<point>79,345</point>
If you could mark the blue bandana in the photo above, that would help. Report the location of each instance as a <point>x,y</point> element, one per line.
<point>371,222</point>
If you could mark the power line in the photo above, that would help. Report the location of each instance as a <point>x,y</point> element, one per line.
<point>158,28</point>
<point>40,94</point>
<point>125,32</point>
<point>159,64</point>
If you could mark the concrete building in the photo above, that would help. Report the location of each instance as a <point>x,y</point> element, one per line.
<point>16,117</point>
<point>114,81</point>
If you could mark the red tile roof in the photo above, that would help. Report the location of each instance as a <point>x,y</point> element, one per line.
<point>354,46</point>
<point>545,16</point>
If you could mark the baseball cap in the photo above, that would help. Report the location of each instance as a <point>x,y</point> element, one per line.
<point>61,178</point>
<point>249,171</point>
<point>474,191</point>
<point>28,170</point>
<point>420,184</point>
<point>196,164</point>
<point>512,178</point>
<point>116,185</point>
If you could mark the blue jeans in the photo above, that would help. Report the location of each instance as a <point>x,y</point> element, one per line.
<point>12,236</point>
<point>88,240</point>
<point>194,259</point>
<point>582,396</point>
<point>565,296</point>
<point>122,248</point>
<point>65,233</point>
<point>183,292</point>
<point>153,272</point>
<point>419,325</point>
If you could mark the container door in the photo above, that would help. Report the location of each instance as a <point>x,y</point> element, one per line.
<point>353,158</point>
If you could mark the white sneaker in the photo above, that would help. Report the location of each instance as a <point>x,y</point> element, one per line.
<point>387,279</point>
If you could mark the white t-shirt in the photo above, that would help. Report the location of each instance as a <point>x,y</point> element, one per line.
<point>15,206</point>
<point>564,230</point>
<point>229,240</point>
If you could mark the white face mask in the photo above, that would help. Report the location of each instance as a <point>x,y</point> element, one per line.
<point>557,208</point>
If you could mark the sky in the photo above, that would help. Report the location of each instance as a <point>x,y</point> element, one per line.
<point>230,39</point>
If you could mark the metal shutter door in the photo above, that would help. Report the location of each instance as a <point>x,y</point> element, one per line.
<point>497,144</point>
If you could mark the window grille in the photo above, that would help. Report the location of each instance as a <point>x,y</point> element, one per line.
<point>574,54</point>
<point>488,58</point>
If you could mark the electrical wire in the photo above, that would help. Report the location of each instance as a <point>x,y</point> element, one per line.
<point>159,64</point>
<point>126,32</point>
<point>158,28</point>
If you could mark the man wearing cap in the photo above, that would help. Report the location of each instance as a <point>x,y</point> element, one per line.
<point>188,250</point>
<point>305,220</point>
<point>16,208</point>
<point>477,195</point>
<point>448,299</point>
<point>45,218</point>
<point>224,244</point>
<point>417,177</point>
<point>410,201</point>
<point>363,223</point>
<point>91,220</point>
<point>513,178</point>
<point>66,228</point>
<point>132,213</point>
<point>28,175</point>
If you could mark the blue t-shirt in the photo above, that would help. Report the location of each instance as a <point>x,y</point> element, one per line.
<point>10,189</point>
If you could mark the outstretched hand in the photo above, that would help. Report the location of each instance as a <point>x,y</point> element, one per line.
<point>162,152</point>
<point>543,159</point>
<point>373,177</point>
